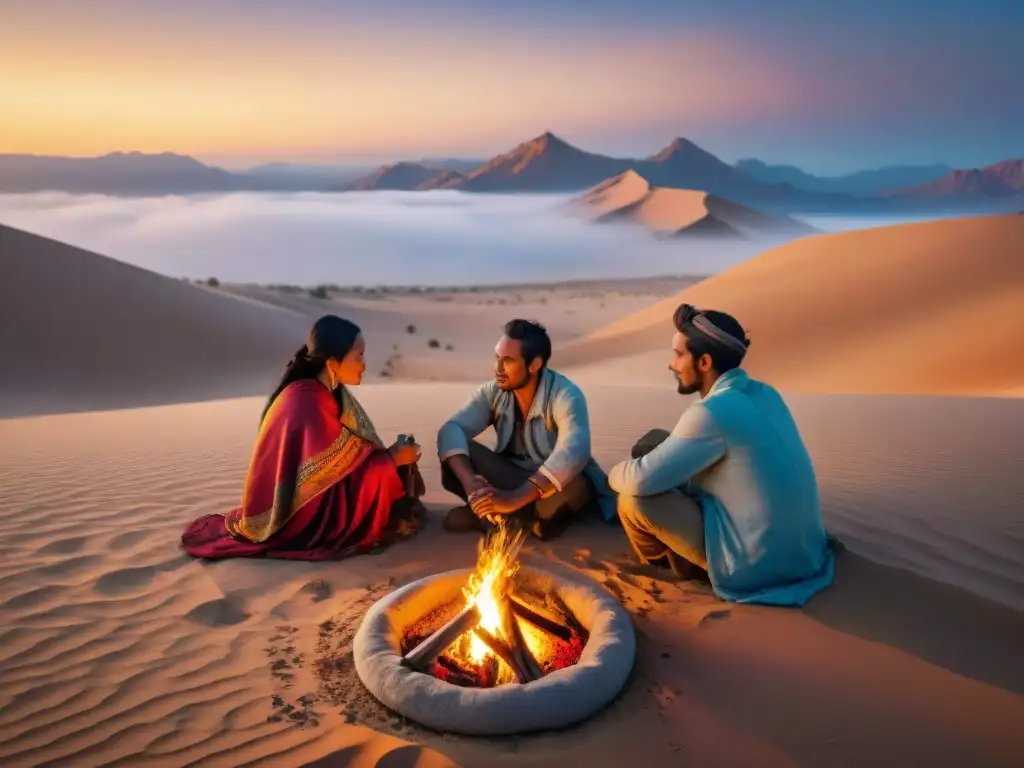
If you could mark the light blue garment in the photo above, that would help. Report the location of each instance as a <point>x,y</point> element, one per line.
<point>556,432</point>
<point>739,453</point>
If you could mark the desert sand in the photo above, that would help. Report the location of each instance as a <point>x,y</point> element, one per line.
<point>118,649</point>
<point>927,308</point>
<point>95,333</point>
<point>629,197</point>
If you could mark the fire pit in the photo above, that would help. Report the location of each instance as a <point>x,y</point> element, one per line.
<point>495,650</point>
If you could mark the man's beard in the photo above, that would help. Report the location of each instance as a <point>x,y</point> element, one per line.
<point>689,389</point>
<point>511,386</point>
<point>683,389</point>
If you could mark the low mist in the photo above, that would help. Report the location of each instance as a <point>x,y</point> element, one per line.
<point>372,238</point>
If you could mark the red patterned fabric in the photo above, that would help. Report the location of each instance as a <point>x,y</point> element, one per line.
<point>318,487</point>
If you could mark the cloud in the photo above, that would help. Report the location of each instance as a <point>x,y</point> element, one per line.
<point>375,238</point>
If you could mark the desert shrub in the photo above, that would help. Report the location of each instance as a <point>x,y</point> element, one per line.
<point>434,344</point>
<point>320,292</point>
<point>213,282</point>
<point>448,347</point>
<point>410,328</point>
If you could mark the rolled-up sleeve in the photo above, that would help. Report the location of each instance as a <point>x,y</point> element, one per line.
<point>472,419</point>
<point>572,448</point>
<point>694,445</point>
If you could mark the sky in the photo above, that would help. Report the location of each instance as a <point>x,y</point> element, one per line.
<point>829,86</point>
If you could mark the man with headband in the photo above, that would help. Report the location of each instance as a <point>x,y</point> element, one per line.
<point>731,490</point>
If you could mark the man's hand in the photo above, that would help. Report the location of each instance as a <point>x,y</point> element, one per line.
<point>490,502</point>
<point>507,502</point>
<point>475,484</point>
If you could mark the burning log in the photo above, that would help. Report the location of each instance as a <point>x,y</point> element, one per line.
<point>419,658</point>
<point>517,642</point>
<point>490,670</point>
<point>443,669</point>
<point>570,618</point>
<point>503,652</point>
<point>541,622</point>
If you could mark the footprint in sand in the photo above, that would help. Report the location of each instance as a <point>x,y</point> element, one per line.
<point>125,580</point>
<point>406,756</point>
<point>62,546</point>
<point>222,612</point>
<point>582,557</point>
<point>717,613</point>
<point>319,590</point>
<point>665,696</point>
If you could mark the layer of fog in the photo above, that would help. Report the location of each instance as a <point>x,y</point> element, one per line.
<point>373,238</point>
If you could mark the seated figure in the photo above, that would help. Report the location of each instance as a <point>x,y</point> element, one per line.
<point>320,483</point>
<point>731,489</point>
<point>540,474</point>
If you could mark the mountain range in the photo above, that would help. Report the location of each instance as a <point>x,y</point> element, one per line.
<point>546,163</point>
<point>862,183</point>
<point>1001,180</point>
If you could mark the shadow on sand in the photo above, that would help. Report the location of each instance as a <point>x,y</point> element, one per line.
<point>938,623</point>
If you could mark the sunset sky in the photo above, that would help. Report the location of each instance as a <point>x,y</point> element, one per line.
<point>830,86</point>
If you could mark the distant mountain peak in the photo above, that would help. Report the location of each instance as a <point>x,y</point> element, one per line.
<point>546,142</point>
<point>682,147</point>
<point>400,175</point>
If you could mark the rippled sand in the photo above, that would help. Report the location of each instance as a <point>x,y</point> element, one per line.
<point>117,649</point>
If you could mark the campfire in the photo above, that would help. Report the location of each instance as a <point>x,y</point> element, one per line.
<point>498,631</point>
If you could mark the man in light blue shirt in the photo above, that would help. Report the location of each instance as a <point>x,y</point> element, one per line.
<point>731,489</point>
<point>541,472</point>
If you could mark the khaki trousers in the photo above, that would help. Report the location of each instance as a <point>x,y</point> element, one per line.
<point>665,523</point>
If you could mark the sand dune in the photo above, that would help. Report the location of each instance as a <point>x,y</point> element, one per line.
<point>87,331</point>
<point>679,212</point>
<point>96,333</point>
<point>917,308</point>
<point>118,649</point>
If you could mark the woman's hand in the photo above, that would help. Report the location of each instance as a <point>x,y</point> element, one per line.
<point>405,453</point>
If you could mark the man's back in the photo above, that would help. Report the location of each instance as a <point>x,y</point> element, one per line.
<point>764,534</point>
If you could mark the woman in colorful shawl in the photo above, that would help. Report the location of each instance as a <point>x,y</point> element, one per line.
<point>320,484</point>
